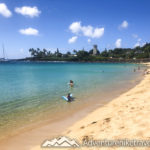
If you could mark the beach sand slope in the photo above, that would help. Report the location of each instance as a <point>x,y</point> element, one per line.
<point>126,117</point>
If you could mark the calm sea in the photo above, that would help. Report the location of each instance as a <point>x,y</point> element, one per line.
<point>31,92</point>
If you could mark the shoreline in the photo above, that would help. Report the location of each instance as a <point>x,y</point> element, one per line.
<point>76,121</point>
<point>125,117</point>
<point>117,61</point>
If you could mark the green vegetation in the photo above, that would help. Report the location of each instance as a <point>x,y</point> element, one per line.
<point>117,54</point>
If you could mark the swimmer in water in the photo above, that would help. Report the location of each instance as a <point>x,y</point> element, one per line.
<point>71,83</point>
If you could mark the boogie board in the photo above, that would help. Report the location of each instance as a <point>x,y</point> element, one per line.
<point>65,98</point>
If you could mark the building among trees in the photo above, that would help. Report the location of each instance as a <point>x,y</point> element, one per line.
<point>95,50</point>
<point>116,54</point>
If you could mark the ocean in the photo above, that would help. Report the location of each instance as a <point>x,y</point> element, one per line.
<point>30,92</point>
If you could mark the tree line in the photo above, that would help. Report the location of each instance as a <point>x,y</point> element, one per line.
<point>140,52</point>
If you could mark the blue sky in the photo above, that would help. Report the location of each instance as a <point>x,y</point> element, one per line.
<point>72,24</point>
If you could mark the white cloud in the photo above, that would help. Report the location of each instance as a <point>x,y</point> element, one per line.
<point>89,40</point>
<point>75,27</point>
<point>4,11</point>
<point>143,43</point>
<point>118,43</point>
<point>29,31</point>
<point>124,24</point>
<point>137,44</point>
<point>73,39</point>
<point>87,31</point>
<point>98,32</point>
<point>28,11</point>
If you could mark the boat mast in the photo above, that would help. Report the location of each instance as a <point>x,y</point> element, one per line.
<point>3,51</point>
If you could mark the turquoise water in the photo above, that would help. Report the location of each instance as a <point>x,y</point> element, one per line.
<point>32,92</point>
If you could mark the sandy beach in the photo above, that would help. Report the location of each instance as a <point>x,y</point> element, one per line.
<point>126,117</point>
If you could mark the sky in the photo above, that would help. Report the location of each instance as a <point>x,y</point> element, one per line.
<point>72,24</point>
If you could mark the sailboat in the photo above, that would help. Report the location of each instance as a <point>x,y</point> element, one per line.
<point>3,58</point>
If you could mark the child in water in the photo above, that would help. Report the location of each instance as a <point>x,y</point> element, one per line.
<point>69,97</point>
<point>71,83</point>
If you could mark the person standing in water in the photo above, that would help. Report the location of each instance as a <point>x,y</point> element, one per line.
<point>69,97</point>
<point>71,83</point>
